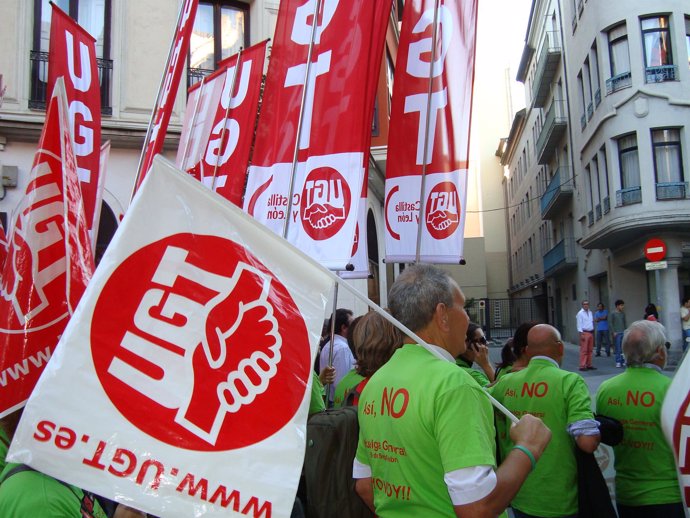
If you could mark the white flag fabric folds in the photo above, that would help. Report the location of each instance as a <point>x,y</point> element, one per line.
<point>447,110</point>
<point>49,260</point>
<point>182,382</point>
<point>322,191</point>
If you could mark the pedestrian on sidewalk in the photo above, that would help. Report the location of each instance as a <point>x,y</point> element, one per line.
<point>618,325</point>
<point>601,320</point>
<point>585,327</point>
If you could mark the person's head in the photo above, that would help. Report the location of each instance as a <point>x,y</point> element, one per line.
<point>645,342</point>
<point>620,305</point>
<point>474,336</point>
<point>600,306</point>
<point>343,319</point>
<point>507,355</point>
<point>585,305</point>
<point>686,302</point>
<point>350,335</point>
<point>545,340</point>
<point>520,338</point>
<point>650,309</point>
<point>375,339</point>
<point>426,299</point>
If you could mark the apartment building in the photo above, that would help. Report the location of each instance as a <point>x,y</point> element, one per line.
<point>601,150</point>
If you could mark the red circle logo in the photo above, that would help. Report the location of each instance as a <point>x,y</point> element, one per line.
<point>325,203</point>
<point>443,210</point>
<point>190,342</point>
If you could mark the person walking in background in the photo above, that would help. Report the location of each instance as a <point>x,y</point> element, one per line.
<point>646,480</point>
<point>618,325</point>
<point>585,328</point>
<point>601,322</point>
<point>685,321</point>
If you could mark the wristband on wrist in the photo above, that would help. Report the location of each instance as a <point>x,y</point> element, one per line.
<point>529,454</point>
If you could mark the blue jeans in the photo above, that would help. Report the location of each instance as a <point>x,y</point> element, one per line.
<point>603,339</point>
<point>618,349</point>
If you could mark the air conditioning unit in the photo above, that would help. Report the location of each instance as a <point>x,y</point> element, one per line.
<point>9,175</point>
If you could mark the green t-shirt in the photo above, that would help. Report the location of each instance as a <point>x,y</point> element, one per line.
<point>645,465</point>
<point>349,381</point>
<point>4,447</point>
<point>559,398</point>
<point>421,417</point>
<point>316,402</point>
<point>479,377</point>
<point>33,494</point>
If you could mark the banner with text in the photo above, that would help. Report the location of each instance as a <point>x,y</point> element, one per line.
<point>323,190</point>
<point>162,110</point>
<point>49,260</point>
<point>73,56</point>
<point>164,386</point>
<point>447,111</point>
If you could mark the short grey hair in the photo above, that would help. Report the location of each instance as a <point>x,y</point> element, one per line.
<point>416,292</point>
<point>641,342</point>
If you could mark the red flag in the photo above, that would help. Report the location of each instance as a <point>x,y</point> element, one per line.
<point>327,182</point>
<point>73,56</point>
<point>233,126</point>
<point>49,260</point>
<point>3,247</point>
<point>166,96</point>
<point>448,112</point>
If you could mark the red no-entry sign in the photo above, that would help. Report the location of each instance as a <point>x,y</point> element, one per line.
<point>655,250</point>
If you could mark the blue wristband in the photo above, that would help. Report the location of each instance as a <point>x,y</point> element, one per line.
<point>529,454</point>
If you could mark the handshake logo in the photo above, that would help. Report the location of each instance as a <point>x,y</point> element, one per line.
<point>325,203</point>
<point>443,210</point>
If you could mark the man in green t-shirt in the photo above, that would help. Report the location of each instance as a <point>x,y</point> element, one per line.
<point>646,479</point>
<point>426,442</point>
<point>561,399</point>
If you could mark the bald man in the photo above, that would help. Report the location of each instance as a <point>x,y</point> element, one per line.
<point>561,399</point>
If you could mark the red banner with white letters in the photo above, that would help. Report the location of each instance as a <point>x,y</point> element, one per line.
<point>49,260</point>
<point>448,111</point>
<point>322,191</point>
<point>166,96</point>
<point>73,56</point>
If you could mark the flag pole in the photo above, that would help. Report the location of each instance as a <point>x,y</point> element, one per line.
<point>314,25</point>
<point>225,118</point>
<point>158,99</point>
<point>330,343</point>
<point>422,191</point>
<point>191,127</point>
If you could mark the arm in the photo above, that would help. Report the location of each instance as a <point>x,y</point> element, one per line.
<point>365,491</point>
<point>578,321</point>
<point>482,359</point>
<point>588,443</point>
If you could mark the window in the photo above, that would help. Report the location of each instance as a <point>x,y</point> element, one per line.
<point>687,37</point>
<point>668,164</point>
<point>590,198</point>
<point>594,73</point>
<point>658,59</point>
<point>604,171</point>
<point>630,171</point>
<point>619,59</point>
<point>220,29</point>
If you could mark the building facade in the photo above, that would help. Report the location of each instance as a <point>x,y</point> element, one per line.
<point>606,127</point>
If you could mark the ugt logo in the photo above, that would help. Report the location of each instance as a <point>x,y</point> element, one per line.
<point>325,203</point>
<point>201,353</point>
<point>442,210</point>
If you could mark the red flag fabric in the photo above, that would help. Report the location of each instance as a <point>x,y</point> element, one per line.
<point>224,163</point>
<point>49,261</point>
<point>324,190</point>
<point>3,247</point>
<point>448,111</point>
<point>166,97</point>
<point>73,56</point>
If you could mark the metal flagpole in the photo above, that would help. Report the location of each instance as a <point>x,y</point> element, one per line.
<point>330,344</point>
<point>314,25</point>
<point>158,98</point>
<point>191,127</point>
<point>227,113</point>
<point>422,198</point>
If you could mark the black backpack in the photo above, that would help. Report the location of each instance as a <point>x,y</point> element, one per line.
<point>332,438</point>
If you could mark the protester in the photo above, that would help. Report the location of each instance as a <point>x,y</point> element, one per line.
<point>426,442</point>
<point>561,399</point>
<point>507,359</point>
<point>618,325</point>
<point>341,357</point>
<point>585,328</point>
<point>476,351</point>
<point>651,313</point>
<point>519,344</point>
<point>317,401</point>
<point>352,378</point>
<point>646,478</point>
<point>685,321</point>
<point>601,321</point>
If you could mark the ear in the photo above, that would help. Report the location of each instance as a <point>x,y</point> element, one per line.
<point>441,317</point>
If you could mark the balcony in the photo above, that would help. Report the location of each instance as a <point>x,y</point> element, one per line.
<point>194,75</point>
<point>590,111</point>
<point>555,125</point>
<point>590,218</point>
<point>560,258</point>
<point>629,196</point>
<point>547,64</point>
<point>671,190</point>
<point>607,205</point>
<point>618,82</point>
<point>583,121</point>
<point>597,97</point>
<point>597,211</point>
<point>39,81</point>
<point>661,73</point>
<point>560,190</point>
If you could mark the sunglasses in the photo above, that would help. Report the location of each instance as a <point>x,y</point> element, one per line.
<point>481,340</point>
